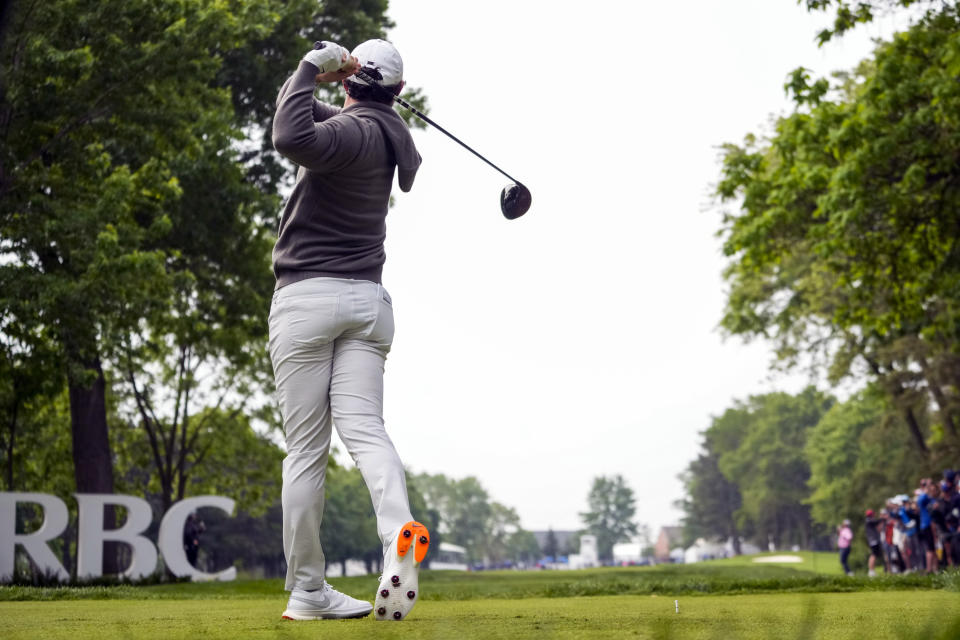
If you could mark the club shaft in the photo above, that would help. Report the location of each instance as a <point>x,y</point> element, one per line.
<point>406,105</point>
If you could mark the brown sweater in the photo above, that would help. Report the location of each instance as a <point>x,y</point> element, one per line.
<point>334,223</point>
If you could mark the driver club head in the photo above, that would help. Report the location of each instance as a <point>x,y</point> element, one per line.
<point>515,200</point>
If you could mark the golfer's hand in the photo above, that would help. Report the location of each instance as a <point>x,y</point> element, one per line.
<point>349,67</point>
<point>327,57</point>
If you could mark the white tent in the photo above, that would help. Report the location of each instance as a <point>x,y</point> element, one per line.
<point>704,550</point>
<point>627,552</point>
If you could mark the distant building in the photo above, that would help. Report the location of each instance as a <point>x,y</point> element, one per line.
<point>450,556</point>
<point>567,541</point>
<point>669,539</point>
<point>627,553</point>
<point>704,550</point>
<point>588,556</point>
<point>575,550</point>
<point>712,549</point>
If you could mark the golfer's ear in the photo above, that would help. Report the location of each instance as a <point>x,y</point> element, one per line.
<point>400,87</point>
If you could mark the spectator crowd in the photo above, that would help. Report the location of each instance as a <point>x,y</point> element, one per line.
<point>912,533</point>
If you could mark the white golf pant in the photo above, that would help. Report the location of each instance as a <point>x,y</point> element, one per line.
<point>329,339</point>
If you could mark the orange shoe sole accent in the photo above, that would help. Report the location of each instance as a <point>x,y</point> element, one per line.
<point>415,534</point>
<point>422,544</point>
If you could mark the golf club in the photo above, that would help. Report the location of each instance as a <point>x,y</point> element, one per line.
<point>515,199</point>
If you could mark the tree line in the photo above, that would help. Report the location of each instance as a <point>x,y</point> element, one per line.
<point>787,468</point>
<point>841,229</point>
<point>139,196</point>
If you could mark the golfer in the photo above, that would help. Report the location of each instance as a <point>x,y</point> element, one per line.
<point>331,320</point>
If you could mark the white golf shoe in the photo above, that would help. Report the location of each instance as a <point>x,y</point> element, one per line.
<point>399,584</point>
<point>323,604</point>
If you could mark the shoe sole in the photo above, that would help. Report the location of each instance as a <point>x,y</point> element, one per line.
<point>400,587</point>
<point>293,615</point>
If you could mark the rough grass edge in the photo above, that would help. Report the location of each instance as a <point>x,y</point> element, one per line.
<point>947,581</point>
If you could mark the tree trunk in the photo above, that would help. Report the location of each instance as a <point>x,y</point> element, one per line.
<point>737,548</point>
<point>92,459</point>
<point>6,9</point>
<point>11,442</point>
<point>946,411</point>
<point>915,431</point>
<point>896,390</point>
<point>936,390</point>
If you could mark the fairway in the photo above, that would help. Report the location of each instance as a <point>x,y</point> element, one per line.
<point>736,576</point>
<point>720,599</point>
<point>836,616</point>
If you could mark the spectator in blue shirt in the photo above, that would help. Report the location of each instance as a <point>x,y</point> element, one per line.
<point>925,503</point>
<point>908,516</point>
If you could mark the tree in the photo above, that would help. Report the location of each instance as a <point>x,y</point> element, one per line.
<point>349,527</point>
<point>191,385</point>
<point>41,462</point>
<point>489,531</point>
<point>464,508</point>
<point>502,538</point>
<point>522,547</point>
<point>254,543</point>
<point>210,343</point>
<point>28,380</point>
<point>858,458</point>
<point>99,112</point>
<point>751,478</point>
<point>844,248</point>
<point>133,222</point>
<point>768,466</point>
<point>228,457</point>
<point>711,503</point>
<point>849,15</point>
<point>551,548</point>
<point>611,509</point>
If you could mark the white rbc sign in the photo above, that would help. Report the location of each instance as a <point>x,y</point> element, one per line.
<point>91,535</point>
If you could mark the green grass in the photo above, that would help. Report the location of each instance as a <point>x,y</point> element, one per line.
<point>877,616</point>
<point>719,577</point>
<point>814,561</point>
<point>734,598</point>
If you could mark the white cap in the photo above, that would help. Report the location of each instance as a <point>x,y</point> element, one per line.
<point>381,57</point>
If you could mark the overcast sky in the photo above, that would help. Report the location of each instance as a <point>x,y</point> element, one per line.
<point>582,338</point>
